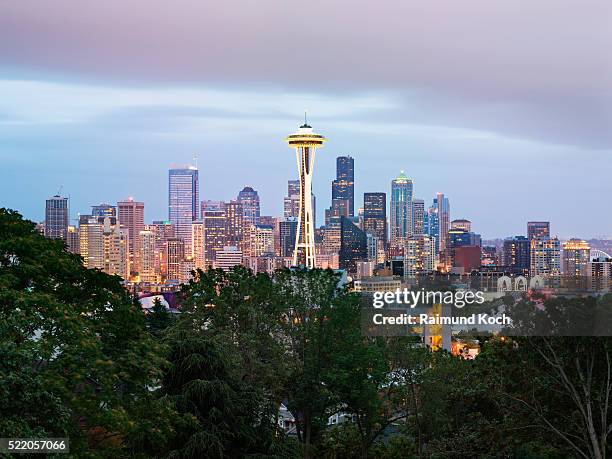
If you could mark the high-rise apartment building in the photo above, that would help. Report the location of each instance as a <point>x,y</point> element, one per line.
<point>545,254</point>
<point>91,241</point>
<point>175,254</point>
<point>401,210</point>
<point>234,223</point>
<point>262,240</point>
<point>104,245</point>
<point>538,229</point>
<point>130,214</point>
<point>72,239</point>
<point>198,253</point>
<point>116,248</point>
<point>56,217</point>
<point>576,257</point>
<point>515,255</point>
<point>214,233</point>
<point>375,215</point>
<point>418,217</point>
<point>431,224</point>
<point>291,203</point>
<point>163,230</point>
<point>249,199</point>
<point>343,188</point>
<point>287,234</point>
<point>599,273</point>
<point>419,255</point>
<point>148,257</point>
<point>331,238</point>
<point>183,201</point>
<point>443,220</point>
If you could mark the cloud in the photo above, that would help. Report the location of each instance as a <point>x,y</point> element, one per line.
<point>538,70</point>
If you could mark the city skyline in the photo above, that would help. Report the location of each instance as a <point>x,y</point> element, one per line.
<point>519,131</point>
<point>229,197</point>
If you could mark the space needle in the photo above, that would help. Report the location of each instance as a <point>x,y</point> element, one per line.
<point>305,141</point>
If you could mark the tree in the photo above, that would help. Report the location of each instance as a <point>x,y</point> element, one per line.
<point>159,319</point>
<point>73,336</point>
<point>228,344</point>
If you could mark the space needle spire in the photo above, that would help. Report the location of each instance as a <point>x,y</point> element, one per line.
<point>305,142</point>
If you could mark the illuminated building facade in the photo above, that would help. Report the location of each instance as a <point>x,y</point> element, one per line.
<point>576,257</point>
<point>545,255</point>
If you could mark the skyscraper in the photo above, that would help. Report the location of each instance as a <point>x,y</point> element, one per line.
<point>353,245</point>
<point>375,215</point>
<point>175,254</point>
<point>197,245</point>
<point>291,203</point>
<point>148,261</point>
<point>288,232</point>
<point>545,254</point>
<point>538,229</point>
<point>515,255</point>
<point>91,241</point>
<point>401,210</point>
<point>343,188</point>
<point>305,143</point>
<point>214,233</point>
<point>56,217</point>
<point>262,240</point>
<point>431,224</point>
<point>419,255</point>
<point>183,202</point>
<point>576,257</point>
<point>443,220</point>
<point>163,231</point>
<point>116,245</point>
<point>249,199</point>
<point>131,217</point>
<point>418,217</point>
<point>72,239</point>
<point>234,223</point>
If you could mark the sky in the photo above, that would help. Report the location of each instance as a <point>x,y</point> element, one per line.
<point>504,106</point>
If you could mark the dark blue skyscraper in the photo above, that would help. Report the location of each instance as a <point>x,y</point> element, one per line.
<point>56,217</point>
<point>375,215</point>
<point>353,245</point>
<point>343,188</point>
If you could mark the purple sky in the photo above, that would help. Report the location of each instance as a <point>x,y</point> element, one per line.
<point>505,106</point>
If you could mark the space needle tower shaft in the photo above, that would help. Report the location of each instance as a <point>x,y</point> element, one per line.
<point>305,142</point>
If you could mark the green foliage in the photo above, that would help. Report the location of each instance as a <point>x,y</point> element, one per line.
<point>80,359</point>
<point>77,360</point>
<point>159,318</point>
